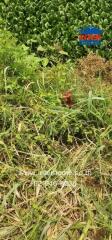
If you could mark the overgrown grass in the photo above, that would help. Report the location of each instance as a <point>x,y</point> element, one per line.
<point>55,162</point>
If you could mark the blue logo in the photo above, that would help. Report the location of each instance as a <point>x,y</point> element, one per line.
<point>90,36</point>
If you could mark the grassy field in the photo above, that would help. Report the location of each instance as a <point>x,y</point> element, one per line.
<point>55,161</point>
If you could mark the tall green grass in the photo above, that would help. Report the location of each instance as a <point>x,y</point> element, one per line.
<point>55,162</point>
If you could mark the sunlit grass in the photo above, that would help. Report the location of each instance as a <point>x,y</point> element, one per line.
<point>55,162</point>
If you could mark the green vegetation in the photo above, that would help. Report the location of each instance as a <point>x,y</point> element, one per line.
<point>55,154</point>
<point>42,22</point>
<point>46,149</point>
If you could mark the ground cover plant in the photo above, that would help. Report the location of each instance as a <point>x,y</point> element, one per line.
<point>57,23</point>
<point>55,161</point>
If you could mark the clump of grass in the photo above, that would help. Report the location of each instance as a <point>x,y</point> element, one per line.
<point>95,66</point>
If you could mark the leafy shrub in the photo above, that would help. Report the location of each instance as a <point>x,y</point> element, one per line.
<point>41,22</point>
<point>16,57</point>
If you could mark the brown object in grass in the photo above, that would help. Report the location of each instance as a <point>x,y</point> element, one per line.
<point>67,99</point>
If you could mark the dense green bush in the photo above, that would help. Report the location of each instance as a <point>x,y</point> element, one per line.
<point>41,22</point>
<point>15,58</point>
